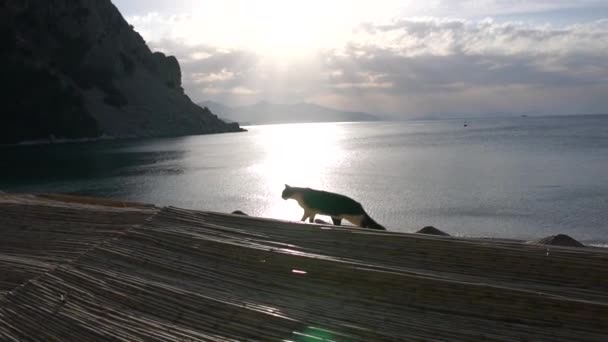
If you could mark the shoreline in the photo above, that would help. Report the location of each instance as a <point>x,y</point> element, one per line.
<point>62,141</point>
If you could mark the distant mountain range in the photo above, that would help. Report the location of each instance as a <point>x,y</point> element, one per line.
<point>272,113</point>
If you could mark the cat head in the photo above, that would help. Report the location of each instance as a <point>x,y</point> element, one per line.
<point>287,192</point>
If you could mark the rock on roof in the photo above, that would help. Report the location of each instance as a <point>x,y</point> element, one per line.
<point>432,231</point>
<point>557,240</point>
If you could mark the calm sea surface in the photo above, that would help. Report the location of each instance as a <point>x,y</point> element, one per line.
<point>513,178</point>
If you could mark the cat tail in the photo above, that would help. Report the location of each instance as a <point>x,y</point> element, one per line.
<point>369,222</point>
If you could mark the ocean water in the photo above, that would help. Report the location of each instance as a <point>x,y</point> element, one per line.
<point>524,177</point>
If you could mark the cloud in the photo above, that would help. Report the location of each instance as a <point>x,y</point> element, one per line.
<point>500,8</point>
<point>241,76</point>
<point>471,66</point>
<point>437,36</point>
<point>413,66</point>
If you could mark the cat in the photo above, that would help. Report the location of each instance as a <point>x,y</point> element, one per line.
<point>336,206</point>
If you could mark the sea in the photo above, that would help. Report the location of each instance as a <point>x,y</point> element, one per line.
<point>513,178</point>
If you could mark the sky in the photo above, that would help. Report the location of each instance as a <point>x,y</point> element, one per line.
<point>397,58</point>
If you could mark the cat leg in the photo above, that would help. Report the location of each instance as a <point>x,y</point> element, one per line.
<point>311,218</point>
<point>336,220</point>
<point>308,214</point>
<point>357,220</point>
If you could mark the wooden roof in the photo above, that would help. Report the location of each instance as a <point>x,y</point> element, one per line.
<point>87,271</point>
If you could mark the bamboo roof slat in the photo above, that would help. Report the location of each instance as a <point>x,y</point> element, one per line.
<point>38,232</point>
<point>185,275</point>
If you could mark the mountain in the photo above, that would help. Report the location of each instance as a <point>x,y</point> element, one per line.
<point>77,69</point>
<point>271,113</point>
<point>219,108</point>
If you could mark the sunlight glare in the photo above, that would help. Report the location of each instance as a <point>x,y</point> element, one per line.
<point>298,155</point>
<point>284,29</point>
<point>287,29</point>
<point>275,29</point>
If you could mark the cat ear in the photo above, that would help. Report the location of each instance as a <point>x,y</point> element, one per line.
<point>287,186</point>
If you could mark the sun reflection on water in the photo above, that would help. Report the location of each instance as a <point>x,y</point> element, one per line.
<point>298,155</point>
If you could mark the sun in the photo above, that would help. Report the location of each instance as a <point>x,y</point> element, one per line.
<point>286,28</point>
<point>271,28</point>
<point>291,28</point>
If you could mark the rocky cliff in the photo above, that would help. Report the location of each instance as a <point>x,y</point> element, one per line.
<point>77,69</point>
